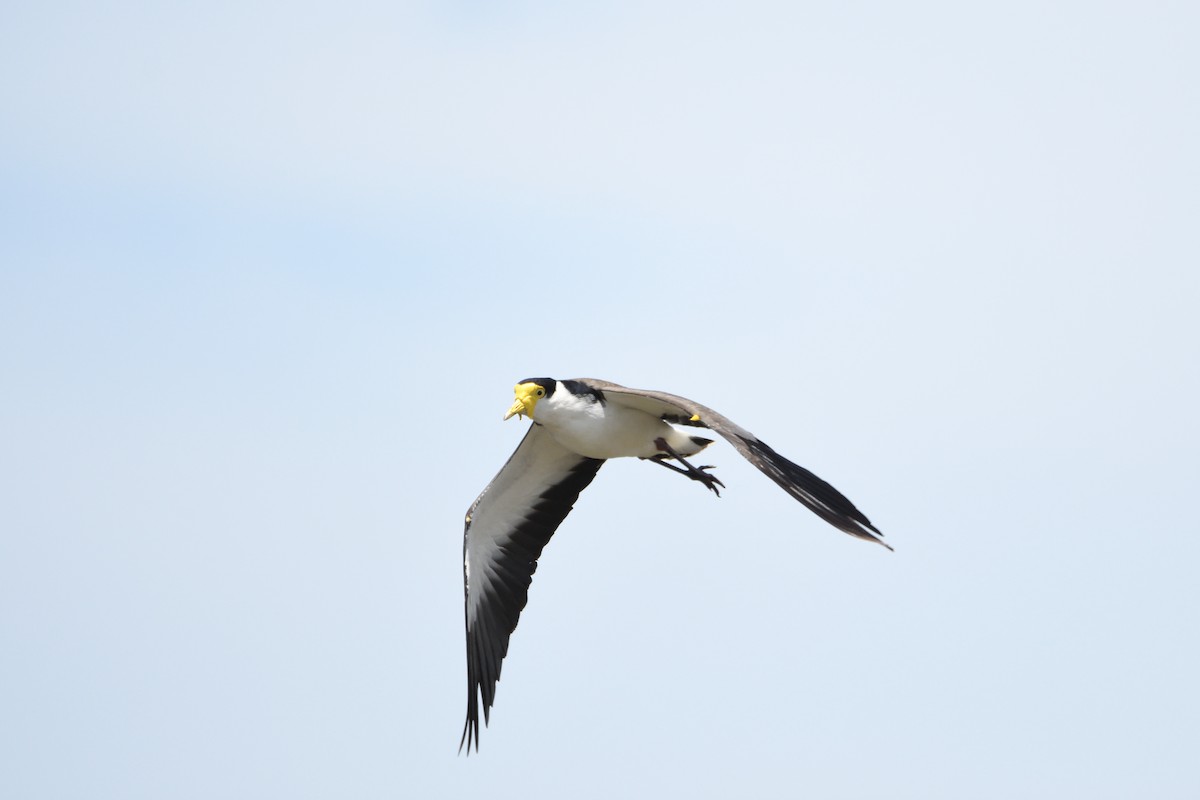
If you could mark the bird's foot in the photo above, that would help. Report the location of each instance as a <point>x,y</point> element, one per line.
<point>695,473</point>
<point>711,481</point>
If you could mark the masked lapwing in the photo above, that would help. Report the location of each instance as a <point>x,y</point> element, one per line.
<point>577,426</point>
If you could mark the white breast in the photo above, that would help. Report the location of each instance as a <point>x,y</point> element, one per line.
<point>601,430</point>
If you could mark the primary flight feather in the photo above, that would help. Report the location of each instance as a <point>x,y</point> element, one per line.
<point>578,425</point>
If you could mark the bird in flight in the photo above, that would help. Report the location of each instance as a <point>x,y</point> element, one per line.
<point>577,426</point>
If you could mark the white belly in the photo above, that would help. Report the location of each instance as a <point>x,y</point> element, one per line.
<point>610,431</point>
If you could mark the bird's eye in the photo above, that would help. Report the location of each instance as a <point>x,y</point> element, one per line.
<point>541,392</point>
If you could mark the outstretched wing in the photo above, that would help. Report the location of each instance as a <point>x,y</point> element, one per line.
<point>506,529</point>
<point>824,500</point>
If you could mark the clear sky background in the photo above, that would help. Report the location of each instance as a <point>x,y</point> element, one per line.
<point>268,272</point>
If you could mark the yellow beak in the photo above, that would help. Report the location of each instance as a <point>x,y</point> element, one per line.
<point>526,400</point>
<point>518,409</point>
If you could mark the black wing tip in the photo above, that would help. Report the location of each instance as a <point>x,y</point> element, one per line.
<point>818,494</point>
<point>470,733</point>
<point>471,726</point>
<point>871,535</point>
<point>856,523</point>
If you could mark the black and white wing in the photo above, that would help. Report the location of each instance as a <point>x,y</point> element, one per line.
<point>824,500</point>
<point>506,529</point>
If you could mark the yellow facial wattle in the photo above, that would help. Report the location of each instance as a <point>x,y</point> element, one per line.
<point>527,396</point>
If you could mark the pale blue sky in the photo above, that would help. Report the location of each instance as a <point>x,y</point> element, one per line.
<point>270,270</point>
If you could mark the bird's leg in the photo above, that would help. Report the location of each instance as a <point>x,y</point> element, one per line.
<point>695,473</point>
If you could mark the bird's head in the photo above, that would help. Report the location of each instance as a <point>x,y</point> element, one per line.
<point>528,392</point>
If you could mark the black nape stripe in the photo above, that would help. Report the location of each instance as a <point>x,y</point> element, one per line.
<point>581,389</point>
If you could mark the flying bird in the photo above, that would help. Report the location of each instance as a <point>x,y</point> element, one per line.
<point>577,426</point>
